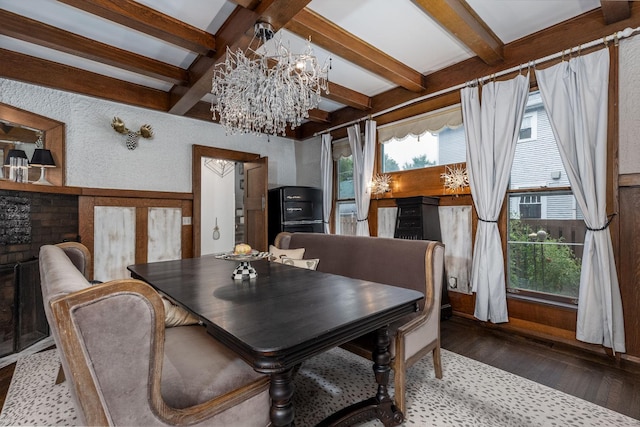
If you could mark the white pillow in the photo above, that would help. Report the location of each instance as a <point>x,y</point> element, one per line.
<point>309,264</point>
<point>177,316</point>
<point>276,253</point>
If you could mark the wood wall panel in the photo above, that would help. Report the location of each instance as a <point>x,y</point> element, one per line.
<point>164,225</point>
<point>114,242</point>
<point>142,206</point>
<point>629,265</point>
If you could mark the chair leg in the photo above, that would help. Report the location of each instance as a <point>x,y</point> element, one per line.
<point>437,362</point>
<point>60,378</point>
<point>399,385</point>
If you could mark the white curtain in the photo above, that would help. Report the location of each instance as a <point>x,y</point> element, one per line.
<point>492,128</point>
<point>575,95</point>
<point>326,169</point>
<point>363,158</point>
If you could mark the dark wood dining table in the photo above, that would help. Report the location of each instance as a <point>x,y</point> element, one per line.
<point>284,316</point>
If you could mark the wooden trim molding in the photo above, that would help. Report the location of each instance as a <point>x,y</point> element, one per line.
<point>54,132</point>
<point>629,180</point>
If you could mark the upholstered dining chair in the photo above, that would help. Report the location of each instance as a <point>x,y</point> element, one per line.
<point>79,255</point>
<point>125,367</point>
<point>413,264</point>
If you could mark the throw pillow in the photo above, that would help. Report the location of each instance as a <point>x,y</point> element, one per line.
<point>277,253</point>
<point>177,316</point>
<point>309,264</point>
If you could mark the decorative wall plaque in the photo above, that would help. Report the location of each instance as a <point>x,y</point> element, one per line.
<point>15,220</point>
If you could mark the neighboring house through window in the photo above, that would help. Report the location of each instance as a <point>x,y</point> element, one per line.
<point>546,230</point>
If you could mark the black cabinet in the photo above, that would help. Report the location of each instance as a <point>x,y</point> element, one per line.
<point>418,219</point>
<point>295,209</point>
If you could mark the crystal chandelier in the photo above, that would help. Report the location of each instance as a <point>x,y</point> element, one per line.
<point>263,93</point>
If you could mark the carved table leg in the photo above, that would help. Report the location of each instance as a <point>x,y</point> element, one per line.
<point>281,392</point>
<point>381,406</point>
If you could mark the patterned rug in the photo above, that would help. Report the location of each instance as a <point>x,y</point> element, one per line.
<point>470,394</point>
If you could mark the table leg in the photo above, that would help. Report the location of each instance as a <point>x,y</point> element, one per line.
<point>381,406</point>
<point>281,392</point>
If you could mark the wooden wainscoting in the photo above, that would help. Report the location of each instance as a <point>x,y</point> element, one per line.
<point>143,226</point>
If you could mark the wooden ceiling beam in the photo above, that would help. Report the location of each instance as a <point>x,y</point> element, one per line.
<point>459,19</point>
<point>347,96</point>
<point>335,39</point>
<point>615,10</point>
<point>29,30</point>
<point>149,21</point>
<point>580,30</point>
<point>235,33</point>
<point>247,4</point>
<point>319,116</point>
<point>24,68</point>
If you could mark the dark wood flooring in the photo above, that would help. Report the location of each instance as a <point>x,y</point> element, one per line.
<point>597,379</point>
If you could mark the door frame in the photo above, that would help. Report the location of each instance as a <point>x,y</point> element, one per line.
<point>198,152</point>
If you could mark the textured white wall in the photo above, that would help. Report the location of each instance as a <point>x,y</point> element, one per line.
<point>96,156</point>
<point>629,106</point>
<point>308,161</point>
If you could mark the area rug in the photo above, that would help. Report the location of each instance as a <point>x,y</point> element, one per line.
<point>470,394</point>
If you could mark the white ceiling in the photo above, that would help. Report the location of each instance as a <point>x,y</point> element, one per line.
<point>398,28</point>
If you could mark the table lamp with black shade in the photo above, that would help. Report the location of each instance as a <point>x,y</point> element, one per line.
<point>42,158</point>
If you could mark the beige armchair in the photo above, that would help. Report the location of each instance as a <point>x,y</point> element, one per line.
<point>124,367</point>
<point>79,255</point>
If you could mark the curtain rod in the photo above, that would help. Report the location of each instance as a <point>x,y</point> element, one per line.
<point>627,32</point>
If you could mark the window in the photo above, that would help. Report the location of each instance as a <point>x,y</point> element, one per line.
<point>429,149</point>
<point>345,217</point>
<point>434,138</point>
<point>545,226</point>
<point>529,127</point>
<point>530,206</point>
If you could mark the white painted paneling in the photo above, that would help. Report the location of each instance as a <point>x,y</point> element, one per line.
<point>387,221</point>
<point>629,106</point>
<point>165,234</point>
<point>114,244</point>
<point>455,227</point>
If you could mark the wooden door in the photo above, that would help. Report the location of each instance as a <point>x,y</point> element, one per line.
<point>255,203</point>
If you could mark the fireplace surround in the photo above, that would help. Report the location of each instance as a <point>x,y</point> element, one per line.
<point>28,220</point>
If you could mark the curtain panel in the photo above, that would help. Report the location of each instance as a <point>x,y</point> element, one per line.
<point>575,95</point>
<point>363,154</point>
<point>326,169</point>
<point>492,126</point>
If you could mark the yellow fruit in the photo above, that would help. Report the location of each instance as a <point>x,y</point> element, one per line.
<point>242,249</point>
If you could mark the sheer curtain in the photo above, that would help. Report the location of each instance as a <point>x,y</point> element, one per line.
<point>363,156</point>
<point>575,95</point>
<point>326,169</point>
<point>492,128</point>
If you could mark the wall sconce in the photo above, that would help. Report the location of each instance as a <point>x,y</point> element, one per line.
<point>132,137</point>
<point>455,179</point>
<point>42,158</point>
<point>380,184</point>
<point>18,164</point>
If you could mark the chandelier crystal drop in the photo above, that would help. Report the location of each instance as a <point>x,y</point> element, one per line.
<point>263,93</point>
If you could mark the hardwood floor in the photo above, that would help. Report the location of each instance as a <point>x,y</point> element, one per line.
<point>592,378</point>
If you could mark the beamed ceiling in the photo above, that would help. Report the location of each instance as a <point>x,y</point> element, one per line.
<point>160,54</point>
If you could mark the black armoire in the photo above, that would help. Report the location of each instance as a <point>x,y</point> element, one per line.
<point>295,208</point>
<point>418,219</point>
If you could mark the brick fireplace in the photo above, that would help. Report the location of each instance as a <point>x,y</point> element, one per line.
<point>28,220</point>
